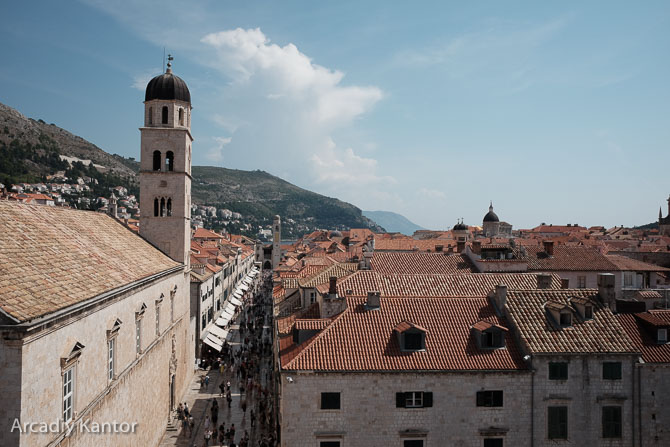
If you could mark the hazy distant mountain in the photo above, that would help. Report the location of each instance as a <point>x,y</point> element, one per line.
<point>393,222</point>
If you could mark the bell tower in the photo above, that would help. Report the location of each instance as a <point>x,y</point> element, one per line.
<point>165,166</point>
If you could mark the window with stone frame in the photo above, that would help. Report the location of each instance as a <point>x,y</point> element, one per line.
<point>581,282</point>
<point>414,399</point>
<point>557,422</point>
<point>69,377</point>
<point>413,443</point>
<point>330,401</point>
<point>329,444</point>
<point>493,442</point>
<point>68,393</point>
<point>612,370</point>
<point>611,418</point>
<point>558,370</point>
<point>139,316</point>
<point>490,398</point>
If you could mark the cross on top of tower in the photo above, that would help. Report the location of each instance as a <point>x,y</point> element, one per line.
<point>169,64</point>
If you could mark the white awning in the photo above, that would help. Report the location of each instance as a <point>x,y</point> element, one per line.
<point>230,309</point>
<point>223,319</point>
<point>237,294</point>
<point>218,332</point>
<point>235,301</point>
<point>246,281</point>
<point>244,287</point>
<point>212,342</point>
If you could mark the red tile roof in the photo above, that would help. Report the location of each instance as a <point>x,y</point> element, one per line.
<point>473,285</point>
<point>602,334</point>
<point>53,257</point>
<point>364,340</point>
<point>644,338</point>
<point>422,263</point>
<point>568,258</point>
<point>624,263</point>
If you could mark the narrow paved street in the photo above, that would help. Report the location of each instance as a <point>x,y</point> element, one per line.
<point>248,369</point>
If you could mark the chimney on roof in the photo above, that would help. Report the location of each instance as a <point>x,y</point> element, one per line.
<point>500,297</point>
<point>373,301</point>
<point>565,283</point>
<point>460,246</point>
<point>549,247</point>
<point>332,289</point>
<point>477,247</point>
<point>606,290</point>
<point>543,281</point>
<point>367,258</point>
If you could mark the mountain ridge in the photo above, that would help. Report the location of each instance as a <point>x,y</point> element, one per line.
<point>31,150</point>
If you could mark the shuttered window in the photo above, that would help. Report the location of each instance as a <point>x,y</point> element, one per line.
<point>490,398</point>
<point>557,422</point>
<point>414,399</point>
<point>612,422</point>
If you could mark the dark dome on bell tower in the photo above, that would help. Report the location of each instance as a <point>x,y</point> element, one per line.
<point>167,86</point>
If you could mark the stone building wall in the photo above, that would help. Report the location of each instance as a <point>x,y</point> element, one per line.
<point>141,391</point>
<point>585,392</point>
<point>653,418</point>
<point>369,417</point>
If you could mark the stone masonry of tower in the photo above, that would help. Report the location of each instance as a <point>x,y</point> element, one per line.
<point>165,187</point>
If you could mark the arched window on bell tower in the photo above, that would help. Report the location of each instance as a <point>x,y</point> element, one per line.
<point>169,207</point>
<point>162,207</point>
<point>155,207</point>
<point>164,115</point>
<point>151,116</point>
<point>157,160</point>
<point>169,161</point>
<point>181,116</point>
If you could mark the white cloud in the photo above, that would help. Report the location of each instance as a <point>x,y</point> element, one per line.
<point>431,193</point>
<point>141,80</point>
<point>216,153</point>
<point>344,168</point>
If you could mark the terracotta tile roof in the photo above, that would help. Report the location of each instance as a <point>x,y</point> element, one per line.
<point>312,323</point>
<point>408,244</point>
<point>473,285</point>
<point>568,258</point>
<point>483,325</point>
<point>53,257</point>
<point>602,334</point>
<point>423,263</point>
<point>337,270</point>
<point>645,338</point>
<point>405,325</point>
<point>201,233</point>
<point>648,295</point>
<point>289,283</point>
<point>360,340</point>
<point>624,263</point>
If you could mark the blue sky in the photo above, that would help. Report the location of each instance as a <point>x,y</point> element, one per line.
<point>557,112</point>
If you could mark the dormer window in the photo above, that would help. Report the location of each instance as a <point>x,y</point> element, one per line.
<point>583,306</point>
<point>588,312</point>
<point>566,318</point>
<point>411,337</point>
<point>489,335</point>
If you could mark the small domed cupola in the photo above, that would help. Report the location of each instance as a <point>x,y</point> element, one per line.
<point>167,86</point>
<point>491,216</point>
<point>460,226</point>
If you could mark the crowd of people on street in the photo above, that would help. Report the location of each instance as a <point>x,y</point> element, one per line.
<point>247,368</point>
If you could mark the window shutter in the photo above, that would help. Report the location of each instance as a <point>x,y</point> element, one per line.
<point>497,398</point>
<point>427,399</point>
<point>400,400</point>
